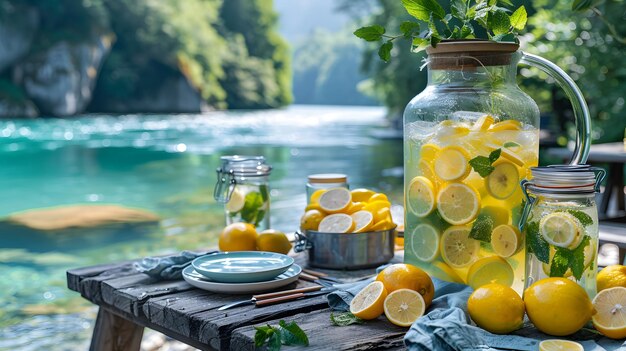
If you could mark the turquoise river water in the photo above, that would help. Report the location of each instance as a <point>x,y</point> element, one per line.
<point>165,164</point>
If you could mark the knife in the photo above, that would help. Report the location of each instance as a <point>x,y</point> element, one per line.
<point>281,296</point>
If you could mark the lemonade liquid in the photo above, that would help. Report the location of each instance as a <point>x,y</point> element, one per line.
<point>453,239</point>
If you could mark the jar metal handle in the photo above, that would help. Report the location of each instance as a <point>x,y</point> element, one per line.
<point>302,243</point>
<point>581,111</point>
<point>224,186</point>
<point>527,205</point>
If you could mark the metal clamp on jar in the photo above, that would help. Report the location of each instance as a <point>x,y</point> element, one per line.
<point>243,186</point>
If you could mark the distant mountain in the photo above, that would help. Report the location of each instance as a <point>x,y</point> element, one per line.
<point>299,18</point>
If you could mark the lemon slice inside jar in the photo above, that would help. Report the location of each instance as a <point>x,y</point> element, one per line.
<point>452,164</point>
<point>424,242</point>
<point>458,203</point>
<point>458,250</point>
<point>506,240</point>
<point>561,229</point>
<point>421,196</point>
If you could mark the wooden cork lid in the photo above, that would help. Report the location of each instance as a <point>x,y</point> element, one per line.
<point>463,54</point>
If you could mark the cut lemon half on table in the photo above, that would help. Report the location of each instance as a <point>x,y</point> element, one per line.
<point>236,202</point>
<point>336,223</point>
<point>363,221</point>
<point>335,200</point>
<point>429,151</point>
<point>610,316</point>
<point>404,306</point>
<point>315,197</point>
<point>560,345</point>
<point>502,181</point>
<point>506,240</point>
<point>483,123</point>
<point>421,196</point>
<point>561,229</point>
<point>488,270</point>
<point>458,203</point>
<point>368,303</point>
<point>424,242</point>
<point>452,163</point>
<point>458,250</point>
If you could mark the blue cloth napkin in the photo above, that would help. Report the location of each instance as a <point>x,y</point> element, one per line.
<point>448,327</point>
<point>168,267</point>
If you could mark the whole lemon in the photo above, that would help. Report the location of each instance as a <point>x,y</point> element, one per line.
<point>612,277</point>
<point>311,220</point>
<point>274,241</point>
<point>496,308</point>
<point>557,306</point>
<point>406,276</point>
<point>238,237</point>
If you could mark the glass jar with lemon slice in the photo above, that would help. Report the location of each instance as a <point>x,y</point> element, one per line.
<point>243,186</point>
<point>469,138</point>
<point>560,223</point>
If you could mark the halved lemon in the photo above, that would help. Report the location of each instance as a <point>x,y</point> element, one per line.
<point>355,207</point>
<point>429,151</point>
<point>506,240</point>
<point>382,215</point>
<point>363,221</point>
<point>236,202</point>
<point>483,123</point>
<point>336,223</point>
<point>315,197</point>
<point>424,242</point>
<point>610,317</point>
<point>560,229</point>
<point>458,203</point>
<point>421,196</point>
<point>368,303</point>
<point>452,163</point>
<point>560,345</point>
<point>361,195</point>
<point>378,197</point>
<point>493,269</point>
<point>503,181</point>
<point>509,124</point>
<point>404,306</point>
<point>376,206</point>
<point>385,224</point>
<point>458,250</point>
<point>335,200</point>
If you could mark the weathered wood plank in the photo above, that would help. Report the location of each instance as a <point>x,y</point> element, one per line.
<point>75,276</point>
<point>378,334</point>
<point>114,333</point>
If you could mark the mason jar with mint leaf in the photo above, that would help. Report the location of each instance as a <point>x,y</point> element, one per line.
<point>243,186</point>
<point>560,224</point>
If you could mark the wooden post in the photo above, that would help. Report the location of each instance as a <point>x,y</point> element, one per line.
<point>114,333</point>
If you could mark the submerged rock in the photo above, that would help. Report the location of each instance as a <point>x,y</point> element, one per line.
<point>79,216</point>
<point>61,79</point>
<point>17,30</point>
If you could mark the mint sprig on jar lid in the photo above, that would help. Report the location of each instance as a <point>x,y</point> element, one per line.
<point>471,19</point>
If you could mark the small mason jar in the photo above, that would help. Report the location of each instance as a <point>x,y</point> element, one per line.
<point>324,181</point>
<point>560,224</point>
<point>243,186</point>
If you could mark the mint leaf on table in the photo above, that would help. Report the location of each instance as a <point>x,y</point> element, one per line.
<point>482,228</point>
<point>537,244</point>
<point>262,334</point>
<point>344,319</point>
<point>519,18</point>
<point>292,334</point>
<point>285,334</point>
<point>370,33</point>
<point>422,9</point>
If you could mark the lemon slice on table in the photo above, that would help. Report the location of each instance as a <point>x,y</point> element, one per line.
<point>336,223</point>
<point>560,345</point>
<point>483,123</point>
<point>503,181</point>
<point>363,221</point>
<point>335,200</point>
<point>488,270</point>
<point>560,229</point>
<point>421,196</point>
<point>361,195</point>
<point>429,151</point>
<point>236,202</point>
<point>458,250</point>
<point>509,124</point>
<point>506,240</point>
<point>458,203</point>
<point>610,317</point>
<point>404,306</point>
<point>368,303</point>
<point>452,163</point>
<point>424,242</point>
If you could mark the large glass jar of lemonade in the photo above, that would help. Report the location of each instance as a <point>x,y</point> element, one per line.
<point>469,138</point>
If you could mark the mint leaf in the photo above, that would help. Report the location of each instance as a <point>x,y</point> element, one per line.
<point>385,51</point>
<point>494,155</point>
<point>264,193</point>
<point>458,9</point>
<point>482,165</point>
<point>292,334</point>
<point>434,40</point>
<point>422,9</point>
<point>408,28</point>
<point>581,5</point>
<point>506,2</point>
<point>466,30</point>
<point>370,33</point>
<point>259,217</point>
<point>582,217</point>
<point>261,335</point>
<point>275,341</point>
<point>419,44</point>
<point>511,144</point>
<point>498,21</point>
<point>252,203</point>
<point>537,244</point>
<point>577,258</point>
<point>344,319</point>
<point>519,18</point>
<point>559,263</point>
<point>509,37</point>
<point>482,227</point>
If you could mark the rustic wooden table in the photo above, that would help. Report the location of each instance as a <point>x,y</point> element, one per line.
<point>129,301</point>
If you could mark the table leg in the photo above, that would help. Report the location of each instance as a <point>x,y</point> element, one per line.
<point>114,333</point>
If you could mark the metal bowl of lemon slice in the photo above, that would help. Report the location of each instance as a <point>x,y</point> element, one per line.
<point>345,229</point>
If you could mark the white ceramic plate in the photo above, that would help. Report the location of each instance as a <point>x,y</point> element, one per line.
<point>199,281</point>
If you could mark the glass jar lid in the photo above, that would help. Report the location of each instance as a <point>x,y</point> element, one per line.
<point>326,178</point>
<point>249,166</point>
<point>561,179</point>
